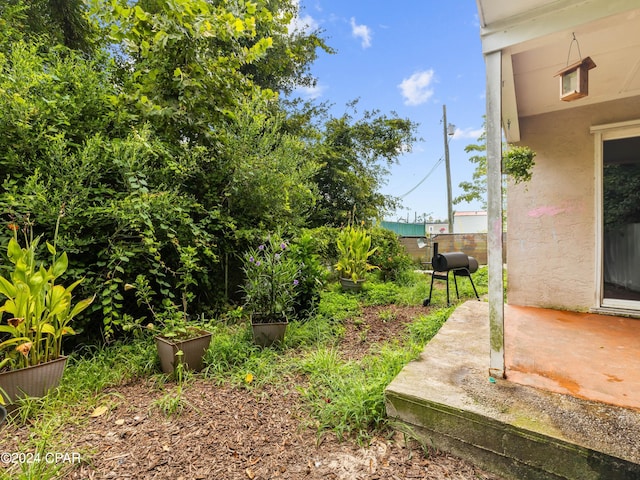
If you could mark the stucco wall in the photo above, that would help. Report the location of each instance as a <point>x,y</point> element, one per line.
<point>551,220</point>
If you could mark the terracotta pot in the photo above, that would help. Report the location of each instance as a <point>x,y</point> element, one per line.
<point>193,351</point>
<point>267,333</point>
<point>33,381</point>
<point>349,285</point>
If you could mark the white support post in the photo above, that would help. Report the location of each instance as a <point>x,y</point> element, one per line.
<point>493,62</point>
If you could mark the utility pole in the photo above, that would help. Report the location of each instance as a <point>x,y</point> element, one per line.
<point>448,130</point>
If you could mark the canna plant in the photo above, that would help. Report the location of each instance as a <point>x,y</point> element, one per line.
<point>38,312</point>
<point>354,250</point>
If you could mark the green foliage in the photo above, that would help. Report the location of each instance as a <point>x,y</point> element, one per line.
<point>325,241</point>
<point>311,274</point>
<point>271,278</point>
<point>354,250</point>
<point>169,320</point>
<point>355,157</point>
<point>232,355</point>
<point>40,311</point>
<point>287,63</point>
<point>381,293</point>
<point>345,397</point>
<point>517,164</point>
<point>348,397</point>
<point>93,369</point>
<point>621,195</point>
<point>173,401</point>
<point>181,60</point>
<point>229,350</point>
<point>155,126</point>
<point>425,327</point>
<point>337,306</point>
<point>390,256</point>
<point>269,172</point>
<point>59,22</point>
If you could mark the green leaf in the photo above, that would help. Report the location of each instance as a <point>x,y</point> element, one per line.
<point>47,328</point>
<point>7,288</point>
<point>14,252</point>
<point>60,266</point>
<point>68,331</point>
<point>140,13</point>
<point>81,306</point>
<point>58,300</point>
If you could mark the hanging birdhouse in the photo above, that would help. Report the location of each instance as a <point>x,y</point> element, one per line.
<point>574,80</point>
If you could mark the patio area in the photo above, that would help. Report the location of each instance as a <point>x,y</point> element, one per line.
<point>590,356</point>
<point>513,427</point>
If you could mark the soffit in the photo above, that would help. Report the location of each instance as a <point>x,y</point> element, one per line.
<point>535,37</point>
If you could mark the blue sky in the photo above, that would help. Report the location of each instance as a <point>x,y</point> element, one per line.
<point>411,57</point>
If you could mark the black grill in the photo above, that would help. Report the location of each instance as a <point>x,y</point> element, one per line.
<point>461,264</point>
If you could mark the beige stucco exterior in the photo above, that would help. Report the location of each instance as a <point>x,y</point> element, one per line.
<point>552,231</point>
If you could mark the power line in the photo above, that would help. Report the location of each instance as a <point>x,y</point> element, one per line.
<point>425,177</point>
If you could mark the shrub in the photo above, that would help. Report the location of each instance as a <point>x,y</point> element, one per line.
<point>390,257</point>
<point>311,276</point>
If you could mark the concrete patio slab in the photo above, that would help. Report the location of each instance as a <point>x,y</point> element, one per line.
<point>446,399</point>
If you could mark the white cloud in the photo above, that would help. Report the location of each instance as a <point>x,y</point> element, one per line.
<point>417,88</point>
<point>305,23</point>
<point>362,32</point>
<point>310,93</point>
<point>467,133</point>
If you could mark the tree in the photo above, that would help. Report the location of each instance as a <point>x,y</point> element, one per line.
<point>517,164</point>
<point>181,62</point>
<point>286,64</point>
<point>147,147</point>
<point>355,156</point>
<point>270,171</point>
<point>63,22</point>
<point>476,189</point>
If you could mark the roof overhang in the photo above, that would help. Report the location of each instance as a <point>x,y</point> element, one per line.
<point>535,40</point>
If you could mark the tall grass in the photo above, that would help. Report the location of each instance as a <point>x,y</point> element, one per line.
<point>343,396</point>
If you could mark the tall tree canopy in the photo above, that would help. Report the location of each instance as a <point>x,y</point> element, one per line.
<point>63,22</point>
<point>355,158</point>
<point>156,129</point>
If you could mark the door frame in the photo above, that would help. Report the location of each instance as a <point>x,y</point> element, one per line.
<point>602,133</point>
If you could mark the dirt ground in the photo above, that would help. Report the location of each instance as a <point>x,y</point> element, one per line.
<point>239,434</point>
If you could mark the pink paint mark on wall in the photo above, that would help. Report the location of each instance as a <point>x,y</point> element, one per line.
<point>546,211</point>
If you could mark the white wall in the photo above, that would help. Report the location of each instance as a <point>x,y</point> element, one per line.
<point>470,223</point>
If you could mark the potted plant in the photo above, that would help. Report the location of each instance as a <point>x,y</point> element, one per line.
<point>354,250</point>
<point>38,313</point>
<point>179,340</point>
<point>269,289</point>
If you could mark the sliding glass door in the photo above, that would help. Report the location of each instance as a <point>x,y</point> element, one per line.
<point>621,222</point>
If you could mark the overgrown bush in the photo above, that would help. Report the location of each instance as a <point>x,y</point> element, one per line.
<point>312,274</point>
<point>390,257</point>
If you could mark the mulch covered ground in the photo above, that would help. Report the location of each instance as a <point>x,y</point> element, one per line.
<point>231,433</point>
